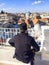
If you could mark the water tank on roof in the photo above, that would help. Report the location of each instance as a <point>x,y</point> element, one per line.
<point>27,15</point>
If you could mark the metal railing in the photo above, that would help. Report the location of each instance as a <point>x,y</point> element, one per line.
<point>6,33</point>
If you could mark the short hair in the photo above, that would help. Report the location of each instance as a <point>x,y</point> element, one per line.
<point>23,27</point>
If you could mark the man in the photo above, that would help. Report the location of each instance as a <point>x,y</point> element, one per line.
<point>22,43</point>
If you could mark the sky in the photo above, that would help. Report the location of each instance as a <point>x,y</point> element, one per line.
<point>14,6</point>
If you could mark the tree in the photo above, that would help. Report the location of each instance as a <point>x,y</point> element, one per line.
<point>38,17</point>
<point>2,12</point>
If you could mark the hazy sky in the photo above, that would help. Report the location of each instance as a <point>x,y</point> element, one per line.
<point>24,5</point>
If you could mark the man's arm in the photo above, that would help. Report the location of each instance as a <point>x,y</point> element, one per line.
<point>36,48</point>
<point>11,41</point>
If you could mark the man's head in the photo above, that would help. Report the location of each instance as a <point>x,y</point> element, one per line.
<point>23,27</point>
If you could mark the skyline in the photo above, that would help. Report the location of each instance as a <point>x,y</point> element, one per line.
<point>14,6</point>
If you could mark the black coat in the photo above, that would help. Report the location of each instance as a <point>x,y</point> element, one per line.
<point>22,43</point>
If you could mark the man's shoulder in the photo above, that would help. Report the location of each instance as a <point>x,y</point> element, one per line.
<point>24,35</point>
<point>30,37</point>
<point>16,35</point>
